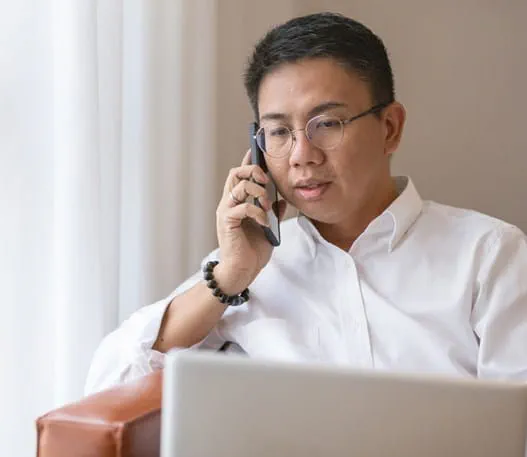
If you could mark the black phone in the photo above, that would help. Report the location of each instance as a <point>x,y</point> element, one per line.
<point>272,232</point>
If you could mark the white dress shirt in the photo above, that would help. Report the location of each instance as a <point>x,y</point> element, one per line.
<point>425,288</point>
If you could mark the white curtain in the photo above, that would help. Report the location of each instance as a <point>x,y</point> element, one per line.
<point>108,181</point>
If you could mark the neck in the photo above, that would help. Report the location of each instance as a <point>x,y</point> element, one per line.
<point>343,234</point>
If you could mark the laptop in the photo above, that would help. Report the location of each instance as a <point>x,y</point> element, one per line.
<point>234,406</point>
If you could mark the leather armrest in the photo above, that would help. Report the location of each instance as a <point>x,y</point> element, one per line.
<point>124,421</point>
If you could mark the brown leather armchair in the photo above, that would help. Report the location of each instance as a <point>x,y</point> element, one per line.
<point>124,421</point>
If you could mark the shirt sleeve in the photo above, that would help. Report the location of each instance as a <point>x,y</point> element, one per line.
<point>126,353</point>
<point>500,311</point>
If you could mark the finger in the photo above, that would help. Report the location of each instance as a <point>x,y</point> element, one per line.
<point>252,188</point>
<point>245,189</point>
<point>246,172</point>
<point>235,216</point>
<point>250,171</point>
<point>247,158</point>
<point>263,201</point>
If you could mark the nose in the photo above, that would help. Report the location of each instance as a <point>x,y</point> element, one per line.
<point>303,152</point>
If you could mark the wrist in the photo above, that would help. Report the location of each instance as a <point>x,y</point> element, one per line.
<point>229,282</point>
<point>223,293</point>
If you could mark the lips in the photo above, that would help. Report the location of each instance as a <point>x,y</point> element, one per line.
<point>311,190</point>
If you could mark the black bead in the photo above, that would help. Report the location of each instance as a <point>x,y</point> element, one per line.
<point>209,266</point>
<point>208,275</point>
<point>236,300</point>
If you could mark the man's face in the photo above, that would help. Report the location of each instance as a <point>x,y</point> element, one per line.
<point>352,172</point>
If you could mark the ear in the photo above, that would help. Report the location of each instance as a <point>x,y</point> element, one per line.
<point>394,117</point>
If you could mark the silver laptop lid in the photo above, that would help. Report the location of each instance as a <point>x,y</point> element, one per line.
<point>232,406</point>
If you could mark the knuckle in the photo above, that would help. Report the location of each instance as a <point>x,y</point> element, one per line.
<point>256,189</point>
<point>247,207</point>
<point>233,173</point>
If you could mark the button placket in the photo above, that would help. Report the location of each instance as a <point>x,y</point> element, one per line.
<point>353,318</point>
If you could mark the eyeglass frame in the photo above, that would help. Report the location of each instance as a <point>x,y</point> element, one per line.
<point>343,122</point>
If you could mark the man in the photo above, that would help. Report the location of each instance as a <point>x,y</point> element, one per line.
<point>368,275</point>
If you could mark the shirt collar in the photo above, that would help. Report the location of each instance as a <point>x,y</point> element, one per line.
<point>397,218</point>
<point>405,209</point>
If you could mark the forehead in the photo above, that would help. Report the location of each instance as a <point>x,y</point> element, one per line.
<point>295,88</point>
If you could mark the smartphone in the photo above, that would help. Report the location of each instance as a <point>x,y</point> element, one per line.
<point>272,232</point>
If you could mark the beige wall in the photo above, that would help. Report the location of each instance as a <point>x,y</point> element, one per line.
<point>460,70</point>
<point>240,25</point>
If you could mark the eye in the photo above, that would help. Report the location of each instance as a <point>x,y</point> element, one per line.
<point>278,132</point>
<point>328,123</point>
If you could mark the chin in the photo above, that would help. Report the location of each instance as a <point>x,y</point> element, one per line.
<point>326,214</point>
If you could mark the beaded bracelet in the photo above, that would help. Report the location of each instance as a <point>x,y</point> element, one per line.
<point>231,300</point>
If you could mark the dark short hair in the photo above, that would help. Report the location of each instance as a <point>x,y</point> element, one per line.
<point>320,35</point>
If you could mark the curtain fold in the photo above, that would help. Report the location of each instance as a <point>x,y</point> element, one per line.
<point>108,184</point>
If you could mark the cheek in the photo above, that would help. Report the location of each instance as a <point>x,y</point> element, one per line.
<point>359,160</point>
<point>373,138</point>
<point>279,171</point>
<point>363,146</point>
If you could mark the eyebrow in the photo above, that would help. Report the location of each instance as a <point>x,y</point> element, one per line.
<point>313,112</point>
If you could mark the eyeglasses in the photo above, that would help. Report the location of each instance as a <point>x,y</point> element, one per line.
<point>324,132</point>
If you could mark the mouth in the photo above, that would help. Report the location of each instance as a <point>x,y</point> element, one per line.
<point>311,191</point>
